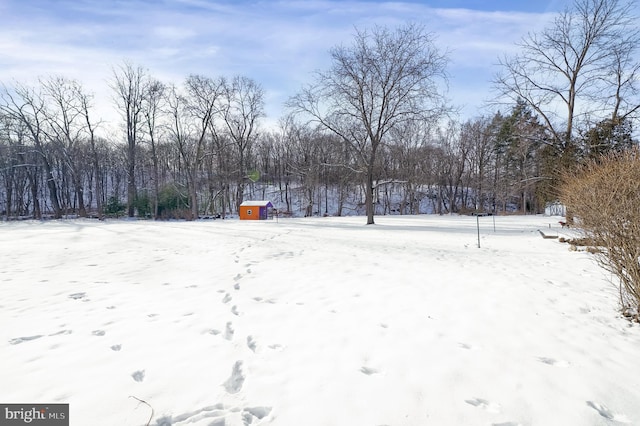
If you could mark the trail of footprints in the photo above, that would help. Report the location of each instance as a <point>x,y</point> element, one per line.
<point>233,385</point>
<point>492,407</point>
<point>220,412</point>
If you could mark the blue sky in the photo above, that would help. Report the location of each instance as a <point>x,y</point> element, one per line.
<point>277,43</point>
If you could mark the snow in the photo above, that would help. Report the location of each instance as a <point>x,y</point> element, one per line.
<point>317,321</point>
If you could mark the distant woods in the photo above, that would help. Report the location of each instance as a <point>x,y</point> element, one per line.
<point>371,135</point>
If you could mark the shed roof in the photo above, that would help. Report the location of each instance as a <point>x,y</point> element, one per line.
<point>257,203</point>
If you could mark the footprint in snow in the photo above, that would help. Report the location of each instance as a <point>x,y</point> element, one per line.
<point>251,413</point>
<point>77,296</point>
<point>490,407</point>
<point>61,332</point>
<point>19,340</point>
<point>138,376</point>
<point>608,414</point>
<point>468,346</point>
<point>235,382</point>
<point>368,370</point>
<point>218,422</point>
<point>227,298</point>
<point>251,343</point>
<point>217,411</point>
<point>553,362</point>
<point>228,331</point>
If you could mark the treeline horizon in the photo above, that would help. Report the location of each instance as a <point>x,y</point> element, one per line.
<point>374,130</point>
<point>489,164</point>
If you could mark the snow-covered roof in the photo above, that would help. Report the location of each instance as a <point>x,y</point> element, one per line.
<point>257,203</point>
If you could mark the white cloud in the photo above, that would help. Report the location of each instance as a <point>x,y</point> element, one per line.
<point>173,33</point>
<point>277,43</point>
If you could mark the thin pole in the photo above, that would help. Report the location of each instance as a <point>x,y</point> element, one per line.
<point>478,225</point>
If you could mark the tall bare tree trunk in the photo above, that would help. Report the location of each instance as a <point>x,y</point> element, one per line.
<point>129,85</point>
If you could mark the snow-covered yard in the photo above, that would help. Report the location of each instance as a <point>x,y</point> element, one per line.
<point>320,321</point>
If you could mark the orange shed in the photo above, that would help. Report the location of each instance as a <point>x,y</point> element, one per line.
<point>255,210</point>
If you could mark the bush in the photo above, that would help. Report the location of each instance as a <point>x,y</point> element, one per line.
<point>143,205</point>
<point>604,196</point>
<point>173,204</point>
<point>114,207</point>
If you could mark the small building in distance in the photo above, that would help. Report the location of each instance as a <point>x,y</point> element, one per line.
<point>555,209</point>
<point>256,210</point>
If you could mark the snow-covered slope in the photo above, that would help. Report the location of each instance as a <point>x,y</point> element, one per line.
<point>320,321</point>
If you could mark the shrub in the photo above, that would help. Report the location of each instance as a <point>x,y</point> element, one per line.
<point>143,205</point>
<point>114,207</point>
<point>604,196</point>
<point>173,204</point>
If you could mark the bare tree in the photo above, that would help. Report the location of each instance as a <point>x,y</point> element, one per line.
<point>10,149</point>
<point>85,105</point>
<point>27,107</point>
<point>305,163</point>
<point>409,157</point>
<point>477,135</point>
<point>66,123</point>
<point>384,79</point>
<point>626,73</point>
<point>242,107</point>
<point>151,110</point>
<point>571,63</point>
<point>129,86</point>
<point>452,164</point>
<point>192,115</point>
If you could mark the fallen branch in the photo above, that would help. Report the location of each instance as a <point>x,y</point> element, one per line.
<point>147,404</point>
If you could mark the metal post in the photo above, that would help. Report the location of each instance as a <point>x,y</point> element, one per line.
<point>478,225</point>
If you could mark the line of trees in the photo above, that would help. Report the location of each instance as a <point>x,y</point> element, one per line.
<point>187,162</point>
<point>371,134</point>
